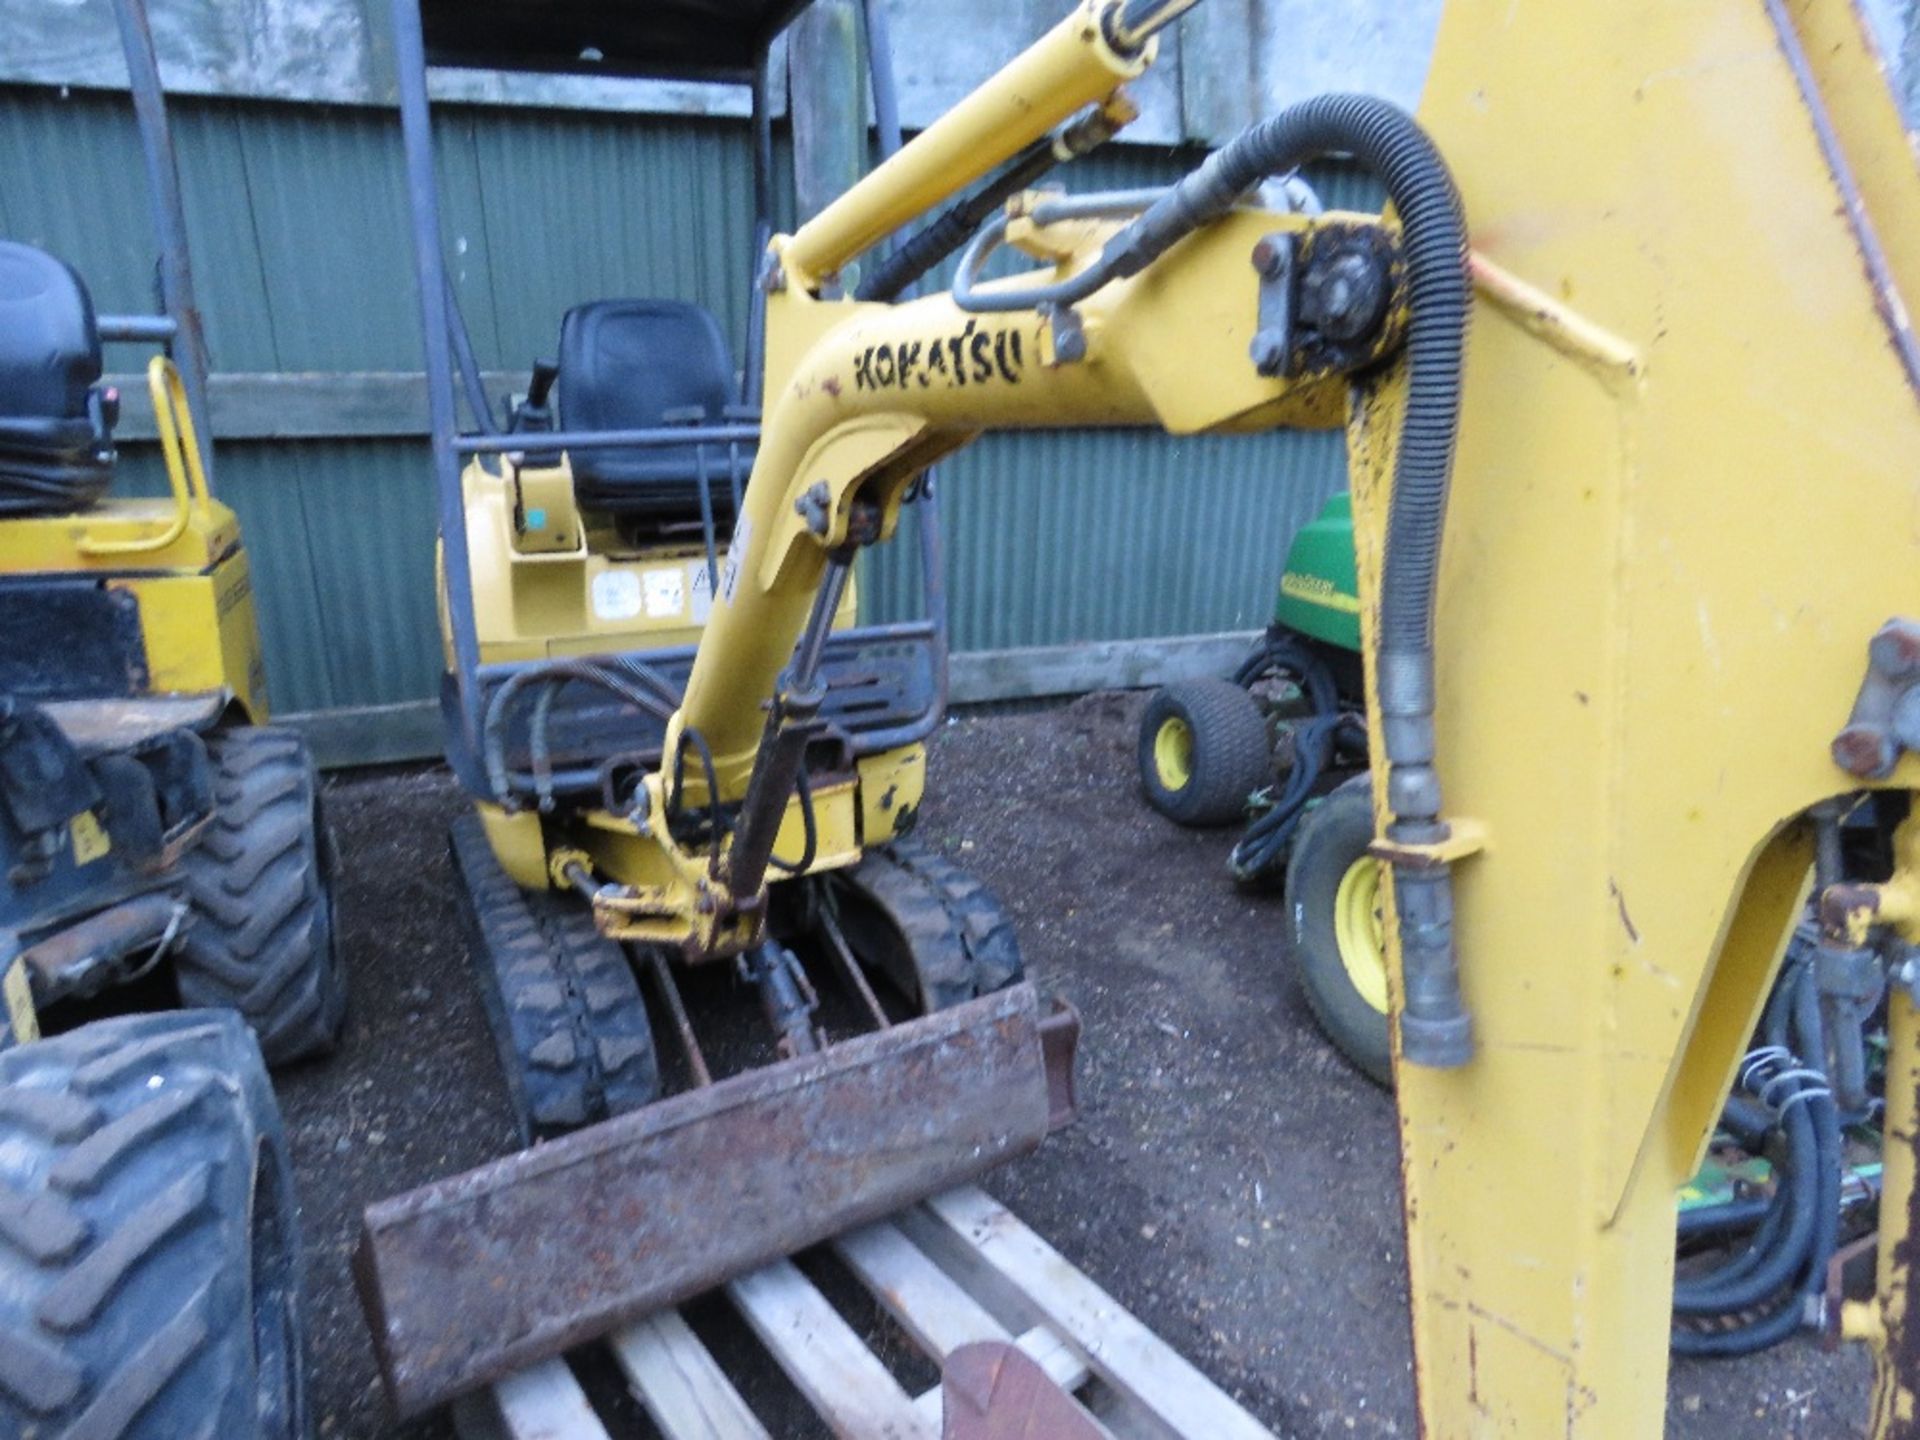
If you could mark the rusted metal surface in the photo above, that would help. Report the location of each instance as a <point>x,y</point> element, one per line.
<point>82,959</point>
<point>475,1276</point>
<point>1885,718</point>
<point>677,1008</point>
<point>992,1390</point>
<point>1060,1039</point>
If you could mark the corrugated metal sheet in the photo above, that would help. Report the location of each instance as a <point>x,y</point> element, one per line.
<point>297,220</point>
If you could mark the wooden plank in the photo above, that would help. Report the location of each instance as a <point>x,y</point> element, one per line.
<point>306,405</point>
<point>680,1384</point>
<point>1122,1351</point>
<point>936,1312</point>
<point>541,1403</point>
<point>843,1380</point>
<point>1034,672</point>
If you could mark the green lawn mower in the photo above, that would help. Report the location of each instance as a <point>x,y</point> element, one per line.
<point>1284,740</point>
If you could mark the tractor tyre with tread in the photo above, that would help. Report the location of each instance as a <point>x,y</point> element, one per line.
<point>149,1261</point>
<point>1204,749</point>
<point>262,939</point>
<point>1337,940</point>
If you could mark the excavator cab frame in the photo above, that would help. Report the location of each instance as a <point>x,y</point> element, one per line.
<point>720,42</point>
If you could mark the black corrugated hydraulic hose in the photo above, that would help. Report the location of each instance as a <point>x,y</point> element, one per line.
<point>1434,1027</point>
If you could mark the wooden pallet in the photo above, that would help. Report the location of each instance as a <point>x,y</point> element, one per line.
<point>956,1269</point>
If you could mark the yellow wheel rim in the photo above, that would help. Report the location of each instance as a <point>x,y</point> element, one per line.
<point>1360,931</point>
<point>1173,753</point>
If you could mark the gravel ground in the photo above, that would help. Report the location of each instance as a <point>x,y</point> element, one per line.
<point>1231,1181</point>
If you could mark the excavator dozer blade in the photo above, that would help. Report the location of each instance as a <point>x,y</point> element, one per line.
<point>481,1274</point>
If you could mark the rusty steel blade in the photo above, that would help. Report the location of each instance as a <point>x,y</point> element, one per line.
<point>472,1277</point>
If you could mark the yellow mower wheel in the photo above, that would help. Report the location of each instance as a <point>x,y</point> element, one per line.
<point>1173,753</point>
<point>1360,930</point>
<point>1337,926</point>
<point>1204,749</point>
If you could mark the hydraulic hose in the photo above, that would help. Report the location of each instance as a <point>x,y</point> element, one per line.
<point>1776,1285</point>
<point>1434,1027</point>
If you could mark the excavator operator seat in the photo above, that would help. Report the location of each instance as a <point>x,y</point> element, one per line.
<point>644,365</point>
<point>56,441</point>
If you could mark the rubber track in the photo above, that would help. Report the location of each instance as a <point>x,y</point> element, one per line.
<point>961,940</point>
<point>126,1170</point>
<point>565,1008</point>
<point>262,939</point>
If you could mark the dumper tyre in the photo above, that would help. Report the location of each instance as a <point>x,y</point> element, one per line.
<point>933,930</point>
<point>1336,928</point>
<point>1204,749</point>
<point>149,1257</point>
<point>263,939</point>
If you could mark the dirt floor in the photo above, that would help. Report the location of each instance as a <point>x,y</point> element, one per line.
<point>1231,1181</point>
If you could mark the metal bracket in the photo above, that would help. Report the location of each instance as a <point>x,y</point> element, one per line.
<point>1885,720</point>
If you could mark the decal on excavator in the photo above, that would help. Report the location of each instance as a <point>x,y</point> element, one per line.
<point>972,356</point>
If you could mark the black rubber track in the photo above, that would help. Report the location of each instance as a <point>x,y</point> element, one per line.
<point>149,1265</point>
<point>564,1005</point>
<point>1232,751</point>
<point>260,879</point>
<point>935,932</point>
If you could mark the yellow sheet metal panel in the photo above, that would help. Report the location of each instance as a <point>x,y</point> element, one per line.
<point>201,633</point>
<point>891,786</point>
<point>581,589</point>
<point>1635,565</point>
<point>60,544</point>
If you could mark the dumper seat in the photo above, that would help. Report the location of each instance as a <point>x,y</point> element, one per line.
<point>56,442</point>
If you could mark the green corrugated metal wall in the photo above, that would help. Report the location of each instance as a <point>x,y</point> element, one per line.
<point>297,221</point>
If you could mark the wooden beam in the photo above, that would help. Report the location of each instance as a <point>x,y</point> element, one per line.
<point>315,405</point>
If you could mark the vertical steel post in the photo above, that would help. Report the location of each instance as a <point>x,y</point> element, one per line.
<point>189,345</point>
<point>753,371</point>
<point>933,555</point>
<point>410,63</point>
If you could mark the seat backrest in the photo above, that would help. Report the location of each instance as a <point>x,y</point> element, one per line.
<point>627,365</point>
<point>49,341</point>
<point>56,445</point>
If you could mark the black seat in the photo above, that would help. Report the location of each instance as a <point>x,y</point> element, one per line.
<point>641,365</point>
<point>56,444</point>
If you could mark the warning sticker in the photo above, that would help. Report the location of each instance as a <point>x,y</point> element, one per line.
<point>736,557</point>
<point>616,595</point>
<point>665,592</point>
<point>700,586</point>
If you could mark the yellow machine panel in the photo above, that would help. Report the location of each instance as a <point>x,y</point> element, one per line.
<point>549,582</point>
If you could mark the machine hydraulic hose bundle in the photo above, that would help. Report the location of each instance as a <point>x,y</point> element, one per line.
<point>1768,1288</point>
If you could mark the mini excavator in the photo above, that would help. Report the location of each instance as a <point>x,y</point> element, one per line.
<point>1630,397</point>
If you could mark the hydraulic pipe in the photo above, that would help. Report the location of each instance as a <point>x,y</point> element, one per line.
<point>1072,65</point>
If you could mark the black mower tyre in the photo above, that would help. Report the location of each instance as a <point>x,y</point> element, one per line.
<point>1332,899</point>
<point>1204,748</point>
<point>149,1260</point>
<point>262,939</point>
